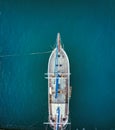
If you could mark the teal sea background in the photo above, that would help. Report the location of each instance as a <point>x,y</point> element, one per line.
<point>87,29</point>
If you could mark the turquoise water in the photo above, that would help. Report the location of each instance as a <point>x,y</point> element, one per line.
<point>87,29</point>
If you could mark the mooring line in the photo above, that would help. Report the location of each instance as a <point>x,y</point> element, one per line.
<point>28,54</point>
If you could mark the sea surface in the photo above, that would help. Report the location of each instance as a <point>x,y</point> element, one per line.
<point>87,29</point>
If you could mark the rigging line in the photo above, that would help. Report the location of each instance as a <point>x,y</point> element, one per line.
<point>28,54</point>
<point>32,125</point>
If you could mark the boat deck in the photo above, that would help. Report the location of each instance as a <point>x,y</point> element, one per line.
<point>62,99</point>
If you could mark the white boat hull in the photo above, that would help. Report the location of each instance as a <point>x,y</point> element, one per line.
<point>62,100</point>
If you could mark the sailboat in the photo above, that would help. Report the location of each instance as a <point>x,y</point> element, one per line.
<point>59,90</point>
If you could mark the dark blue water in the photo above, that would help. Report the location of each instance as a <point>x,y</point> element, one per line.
<point>88,32</point>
